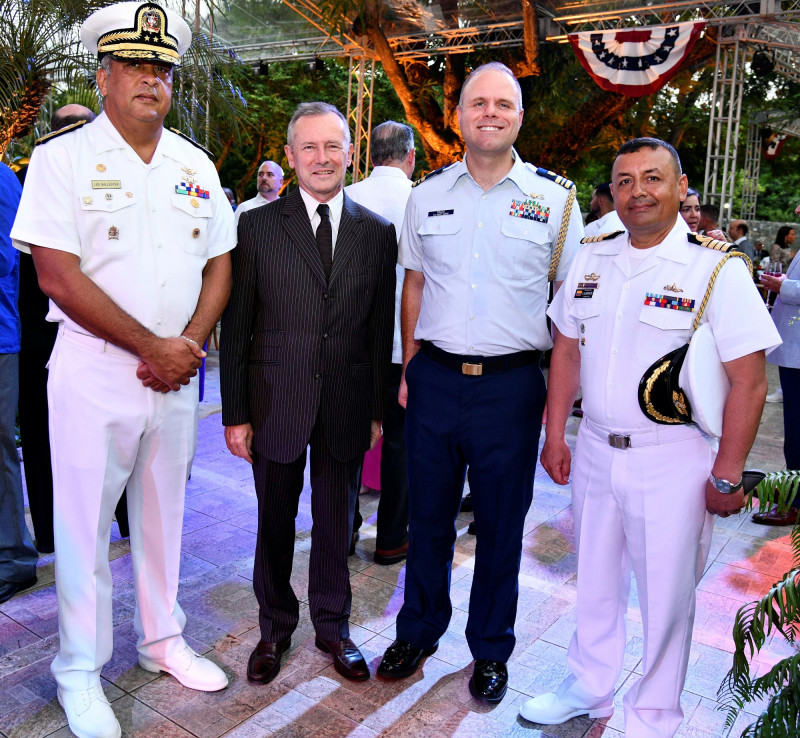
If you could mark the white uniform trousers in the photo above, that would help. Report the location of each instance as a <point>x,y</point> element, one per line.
<point>641,508</point>
<point>108,431</point>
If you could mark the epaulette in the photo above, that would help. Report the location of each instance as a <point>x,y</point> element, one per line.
<point>194,143</point>
<point>601,237</point>
<point>60,132</point>
<point>433,174</point>
<point>567,184</point>
<point>711,243</point>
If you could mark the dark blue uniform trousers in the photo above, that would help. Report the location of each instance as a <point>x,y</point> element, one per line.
<point>491,424</point>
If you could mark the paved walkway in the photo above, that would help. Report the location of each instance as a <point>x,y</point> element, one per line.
<point>309,697</point>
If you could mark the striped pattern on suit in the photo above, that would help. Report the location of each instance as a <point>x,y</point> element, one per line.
<point>292,345</point>
<point>306,362</point>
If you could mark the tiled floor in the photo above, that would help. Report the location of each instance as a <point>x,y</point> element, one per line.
<point>309,698</point>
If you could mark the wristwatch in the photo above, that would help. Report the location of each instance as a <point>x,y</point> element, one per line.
<point>724,486</point>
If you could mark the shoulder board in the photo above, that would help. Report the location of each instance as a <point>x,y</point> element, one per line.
<point>557,178</point>
<point>433,174</point>
<point>711,243</point>
<point>194,143</point>
<point>60,132</point>
<point>602,237</point>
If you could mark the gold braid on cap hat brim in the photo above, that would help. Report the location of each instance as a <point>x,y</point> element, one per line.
<point>139,43</point>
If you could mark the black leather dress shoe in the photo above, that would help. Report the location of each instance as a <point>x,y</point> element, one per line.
<point>353,540</point>
<point>489,681</point>
<point>347,659</point>
<point>265,661</point>
<point>466,503</point>
<point>9,589</point>
<point>773,517</point>
<point>402,659</point>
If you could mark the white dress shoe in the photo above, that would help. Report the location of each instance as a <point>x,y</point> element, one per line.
<point>89,714</point>
<point>776,396</point>
<point>190,669</point>
<point>547,709</point>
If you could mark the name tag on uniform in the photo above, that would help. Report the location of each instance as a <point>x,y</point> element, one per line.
<point>434,213</point>
<point>106,184</point>
<point>583,292</point>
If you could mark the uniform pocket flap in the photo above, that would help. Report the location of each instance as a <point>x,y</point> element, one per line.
<point>106,202</point>
<point>583,309</point>
<point>529,230</point>
<point>441,225</point>
<point>194,206</point>
<point>667,319</point>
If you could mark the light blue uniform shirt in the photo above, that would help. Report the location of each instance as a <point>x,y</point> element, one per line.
<point>485,257</point>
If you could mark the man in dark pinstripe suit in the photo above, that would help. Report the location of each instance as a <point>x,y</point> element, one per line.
<point>306,349</point>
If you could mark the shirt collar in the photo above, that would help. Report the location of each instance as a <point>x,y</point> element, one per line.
<point>518,173</point>
<point>383,171</point>
<point>334,205</point>
<point>674,247</point>
<point>108,138</point>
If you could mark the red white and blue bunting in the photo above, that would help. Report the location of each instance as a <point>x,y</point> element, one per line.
<point>636,62</point>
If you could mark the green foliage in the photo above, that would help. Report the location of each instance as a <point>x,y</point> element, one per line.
<point>777,611</point>
<point>272,99</point>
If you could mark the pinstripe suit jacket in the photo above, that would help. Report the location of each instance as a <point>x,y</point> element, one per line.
<point>292,346</point>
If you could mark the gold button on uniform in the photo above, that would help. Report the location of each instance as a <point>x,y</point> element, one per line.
<point>101,167</point>
<point>195,203</point>
<point>196,233</point>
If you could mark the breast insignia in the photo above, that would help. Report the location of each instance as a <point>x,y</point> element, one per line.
<point>194,143</point>
<point>710,243</point>
<point>601,237</point>
<point>429,175</point>
<point>60,132</point>
<point>567,184</point>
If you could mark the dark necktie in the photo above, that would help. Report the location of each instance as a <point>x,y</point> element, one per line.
<point>325,240</point>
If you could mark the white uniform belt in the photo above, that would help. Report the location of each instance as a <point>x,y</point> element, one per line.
<point>637,438</point>
<point>93,343</point>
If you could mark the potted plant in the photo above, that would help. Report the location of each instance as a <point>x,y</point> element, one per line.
<point>778,610</point>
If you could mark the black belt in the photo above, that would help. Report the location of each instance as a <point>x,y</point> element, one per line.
<point>476,366</point>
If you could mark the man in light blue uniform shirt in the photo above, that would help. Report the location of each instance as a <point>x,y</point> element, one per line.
<point>481,240</point>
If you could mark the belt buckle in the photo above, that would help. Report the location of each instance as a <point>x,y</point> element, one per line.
<point>473,370</point>
<point>619,441</point>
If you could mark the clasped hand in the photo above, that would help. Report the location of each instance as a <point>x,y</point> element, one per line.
<point>170,365</point>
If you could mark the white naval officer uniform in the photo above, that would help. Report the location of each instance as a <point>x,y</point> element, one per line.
<point>386,192</point>
<point>647,502</point>
<point>145,244</point>
<point>609,223</point>
<point>253,202</point>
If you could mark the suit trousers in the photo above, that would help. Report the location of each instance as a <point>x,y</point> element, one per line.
<point>393,503</point>
<point>18,557</point>
<point>107,431</point>
<point>790,384</point>
<point>641,509</point>
<point>334,490</point>
<point>490,423</point>
<point>33,426</point>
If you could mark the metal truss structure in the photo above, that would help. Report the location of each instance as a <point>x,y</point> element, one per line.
<point>743,26</point>
<point>359,95</point>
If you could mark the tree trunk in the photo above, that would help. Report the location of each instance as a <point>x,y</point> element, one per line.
<point>20,122</point>
<point>441,144</point>
<point>529,66</point>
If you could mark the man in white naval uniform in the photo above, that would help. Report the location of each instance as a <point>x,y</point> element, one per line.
<point>386,193</point>
<point>602,205</point>
<point>132,249</point>
<point>270,181</point>
<point>645,491</point>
